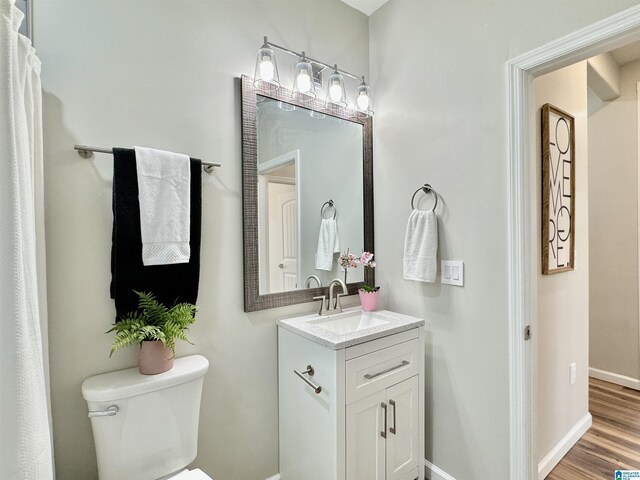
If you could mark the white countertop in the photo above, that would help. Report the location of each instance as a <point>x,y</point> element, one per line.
<point>306,326</point>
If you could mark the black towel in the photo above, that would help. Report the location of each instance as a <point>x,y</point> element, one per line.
<point>171,284</point>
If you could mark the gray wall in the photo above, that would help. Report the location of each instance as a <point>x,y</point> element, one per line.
<point>161,73</point>
<point>613,236</point>
<point>439,76</point>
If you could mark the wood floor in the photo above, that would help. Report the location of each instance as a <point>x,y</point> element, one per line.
<point>612,443</point>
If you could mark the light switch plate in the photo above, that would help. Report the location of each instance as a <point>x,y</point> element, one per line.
<point>452,272</point>
<point>446,271</point>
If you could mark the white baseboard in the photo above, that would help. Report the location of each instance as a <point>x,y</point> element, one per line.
<point>436,473</point>
<point>615,378</point>
<point>275,477</point>
<point>563,446</point>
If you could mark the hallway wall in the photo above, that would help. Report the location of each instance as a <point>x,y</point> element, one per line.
<point>614,345</point>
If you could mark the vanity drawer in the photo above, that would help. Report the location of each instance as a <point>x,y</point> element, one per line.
<point>376,371</point>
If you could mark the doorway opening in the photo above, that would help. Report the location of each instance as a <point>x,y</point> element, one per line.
<point>604,36</point>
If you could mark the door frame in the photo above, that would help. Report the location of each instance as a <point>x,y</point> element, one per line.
<point>602,36</point>
<point>638,186</point>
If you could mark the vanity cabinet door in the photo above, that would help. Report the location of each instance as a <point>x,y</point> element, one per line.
<point>403,439</point>
<point>383,437</point>
<point>365,444</point>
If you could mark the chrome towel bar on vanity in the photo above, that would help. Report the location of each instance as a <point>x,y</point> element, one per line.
<point>309,371</point>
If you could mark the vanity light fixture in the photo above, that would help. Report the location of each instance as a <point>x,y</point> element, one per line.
<point>304,87</point>
<point>335,89</point>
<point>363,98</point>
<point>266,66</point>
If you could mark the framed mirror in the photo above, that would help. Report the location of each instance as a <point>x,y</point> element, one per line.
<point>25,26</point>
<point>307,178</point>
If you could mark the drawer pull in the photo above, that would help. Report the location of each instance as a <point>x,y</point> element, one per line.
<point>369,376</point>
<point>309,371</point>
<point>383,433</point>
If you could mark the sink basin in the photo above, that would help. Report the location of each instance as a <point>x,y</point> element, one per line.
<point>351,327</point>
<point>350,324</point>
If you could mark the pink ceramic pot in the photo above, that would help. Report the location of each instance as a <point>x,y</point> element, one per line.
<point>154,357</point>
<point>369,300</point>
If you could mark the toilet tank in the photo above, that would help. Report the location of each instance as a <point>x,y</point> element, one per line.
<point>155,431</point>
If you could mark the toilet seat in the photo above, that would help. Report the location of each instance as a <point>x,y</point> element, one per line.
<point>195,474</point>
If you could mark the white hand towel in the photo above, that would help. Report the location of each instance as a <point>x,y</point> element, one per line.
<point>328,244</point>
<point>421,247</point>
<point>164,194</point>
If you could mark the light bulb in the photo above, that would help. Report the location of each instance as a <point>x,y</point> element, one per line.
<point>335,92</point>
<point>363,102</point>
<point>266,70</point>
<point>303,82</point>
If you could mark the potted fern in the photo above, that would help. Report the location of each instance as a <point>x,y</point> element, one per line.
<point>155,328</point>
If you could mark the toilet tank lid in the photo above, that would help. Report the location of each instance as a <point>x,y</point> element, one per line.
<point>130,382</point>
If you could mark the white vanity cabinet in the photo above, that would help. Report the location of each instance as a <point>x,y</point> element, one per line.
<point>367,421</point>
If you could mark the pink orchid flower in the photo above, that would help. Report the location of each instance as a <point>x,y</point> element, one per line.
<point>366,260</point>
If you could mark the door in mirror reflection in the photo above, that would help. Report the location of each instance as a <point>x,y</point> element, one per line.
<point>283,237</point>
<point>310,196</point>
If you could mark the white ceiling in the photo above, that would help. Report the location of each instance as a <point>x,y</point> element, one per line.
<point>366,6</point>
<point>627,54</point>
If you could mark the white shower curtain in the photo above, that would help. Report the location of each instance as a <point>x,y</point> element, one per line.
<point>25,435</point>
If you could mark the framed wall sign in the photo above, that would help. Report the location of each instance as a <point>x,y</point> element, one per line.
<point>558,190</point>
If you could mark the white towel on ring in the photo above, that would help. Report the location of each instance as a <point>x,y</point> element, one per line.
<point>421,247</point>
<point>164,194</point>
<point>328,244</point>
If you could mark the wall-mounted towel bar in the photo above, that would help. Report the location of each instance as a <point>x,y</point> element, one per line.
<point>86,151</point>
<point>427,189</point>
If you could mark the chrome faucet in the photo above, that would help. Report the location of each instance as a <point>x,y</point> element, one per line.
<point>332,305</point>
<point>307,284</point>
<point>335,304</point>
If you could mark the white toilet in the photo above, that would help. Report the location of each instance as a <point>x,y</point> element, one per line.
<point>145,427</point>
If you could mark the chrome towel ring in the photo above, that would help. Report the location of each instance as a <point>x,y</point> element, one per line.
<point>328,204</point>
<point>426,188</point>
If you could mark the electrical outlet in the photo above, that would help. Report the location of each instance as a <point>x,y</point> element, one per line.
<point>572,373</point>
